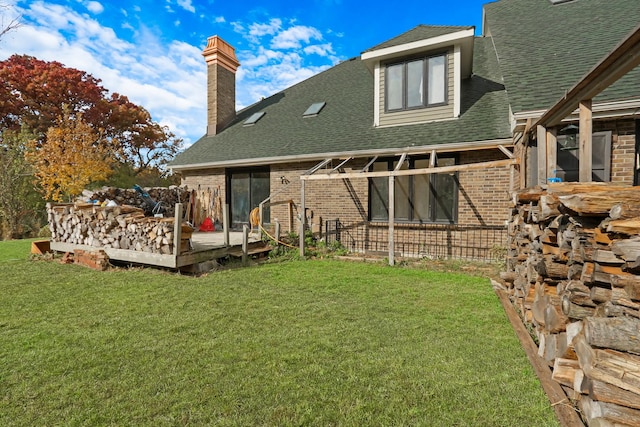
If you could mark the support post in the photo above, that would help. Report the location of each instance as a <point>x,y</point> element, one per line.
<point>552,153</point>
<point>303,218</point>
<point>225,224</point>
<point>245,244</point>
<point>177,230</point>
<point>541,137</point>
<point>290,208</point>
<point>392,218</point>
<point>586,144</point>
<point>277,233</point>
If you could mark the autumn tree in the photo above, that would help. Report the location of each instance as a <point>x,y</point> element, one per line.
<point>32,93</point>
<point>19,202</point>
<point>73,156</point>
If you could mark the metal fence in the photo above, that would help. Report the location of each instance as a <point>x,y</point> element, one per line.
<point>421,240</point>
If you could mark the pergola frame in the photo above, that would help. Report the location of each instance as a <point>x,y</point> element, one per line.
<point>312,175</point>
<point>622,59</point>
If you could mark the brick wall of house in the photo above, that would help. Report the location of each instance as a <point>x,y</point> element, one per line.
<point>622,148</point>
<point>482,203</point>
<point>484,197</point>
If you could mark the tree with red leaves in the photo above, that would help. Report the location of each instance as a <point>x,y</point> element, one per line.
<point>33,94</point>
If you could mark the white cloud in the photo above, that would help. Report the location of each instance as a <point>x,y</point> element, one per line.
<point>319,49</point>
<point>219,19</point>
<point>167,80</point>
<point>94,7</point>
<point>291,38</point>
<point>238,27</point>
<point>186,5</point>
<point>258,30</point>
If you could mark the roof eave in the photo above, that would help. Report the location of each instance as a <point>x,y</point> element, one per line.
<point>602,110</point>
<point>451,147</point>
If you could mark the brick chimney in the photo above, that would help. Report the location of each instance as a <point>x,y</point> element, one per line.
<point>221,84</point>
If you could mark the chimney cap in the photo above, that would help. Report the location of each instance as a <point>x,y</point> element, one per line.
<point>220,52</point>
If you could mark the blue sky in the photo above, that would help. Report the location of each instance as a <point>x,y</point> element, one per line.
<point>150,50</point>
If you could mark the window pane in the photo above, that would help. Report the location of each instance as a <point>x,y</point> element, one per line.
<point>415,83</point>
<point>379,194</point>
<point>259,192</point>
<point>401,194</point>
<point>568,163</point>
<point>444,196</point>
<point>436,73</point>
<point>394,87</point>
<point>421,193</point>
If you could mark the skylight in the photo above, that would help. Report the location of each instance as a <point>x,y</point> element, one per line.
<point>314,109</point>
<point>253,119</point>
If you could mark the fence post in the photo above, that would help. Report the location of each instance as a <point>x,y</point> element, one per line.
<point>225,224</point>
<point>392,218</point>
<point>245,244</point>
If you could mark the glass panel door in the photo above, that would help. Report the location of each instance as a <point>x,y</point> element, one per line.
<point>247,190</point>
<point>239,199</point>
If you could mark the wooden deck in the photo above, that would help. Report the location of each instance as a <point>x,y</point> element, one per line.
<point>205,246</point>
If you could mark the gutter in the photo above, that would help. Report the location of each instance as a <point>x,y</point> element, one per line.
<point>261,161</point>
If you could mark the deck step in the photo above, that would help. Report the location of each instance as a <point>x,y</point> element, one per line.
<point>254,249</point>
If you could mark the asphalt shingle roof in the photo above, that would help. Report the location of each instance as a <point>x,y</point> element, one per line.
<point>421,32</point>
<point>346,122</point>
<point>545,49</point>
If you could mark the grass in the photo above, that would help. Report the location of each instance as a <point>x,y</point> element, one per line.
<point>296,343</point>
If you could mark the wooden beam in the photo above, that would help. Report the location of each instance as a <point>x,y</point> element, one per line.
<point>392,218</point>
<point>506,151</point>
<point>542,154</point>
<point>225,224</point>
<point>552,153</point>
<point>342,163</point>
<point>422,171</point>
<point>177,230</point>
<point>303,217</point>
<point>622,59</point>
<point>400,162</point>
<point>372,161</point>
<point>586,143</point>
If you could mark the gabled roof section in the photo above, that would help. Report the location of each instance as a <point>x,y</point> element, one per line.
<point>345,125</point>
<point>421,32</point>
<point>423,39</point>
<point>544,49</point>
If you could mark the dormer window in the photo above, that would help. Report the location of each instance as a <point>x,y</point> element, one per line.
<point>416,83</point>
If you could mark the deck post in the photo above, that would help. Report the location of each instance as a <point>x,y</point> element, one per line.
<point>245,244</point>
<point>177,231</point>
<point>225,224</point>
<point>586,141</point>
<point>392,214</point>
<point>303,218</point>
<point>277,235</point>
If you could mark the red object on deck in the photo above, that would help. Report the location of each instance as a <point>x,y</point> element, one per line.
<point>207,225</point>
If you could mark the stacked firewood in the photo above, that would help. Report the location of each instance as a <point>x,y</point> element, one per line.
<point>117,227</point>
<point>164,197</point>
<point>573,272</point>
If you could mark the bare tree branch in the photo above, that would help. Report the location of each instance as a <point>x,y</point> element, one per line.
<point>13,23</point>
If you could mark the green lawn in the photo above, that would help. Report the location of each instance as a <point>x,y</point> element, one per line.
<point>295,343</point>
